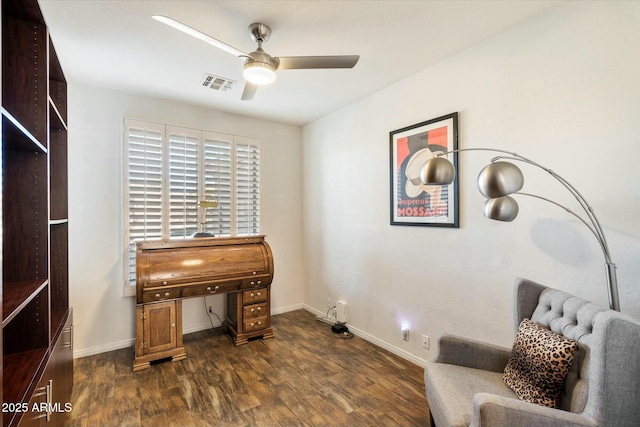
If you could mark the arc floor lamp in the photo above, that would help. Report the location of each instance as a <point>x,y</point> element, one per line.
<point>500,179</point>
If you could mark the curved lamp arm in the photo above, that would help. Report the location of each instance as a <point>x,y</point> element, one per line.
<point>507,179</point>
<point>593,231</point>
<point>597,229</point>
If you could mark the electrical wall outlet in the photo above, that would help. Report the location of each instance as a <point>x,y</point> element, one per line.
<point>425,342</point>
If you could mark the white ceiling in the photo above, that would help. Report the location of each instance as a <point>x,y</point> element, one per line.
<point>115,44</point>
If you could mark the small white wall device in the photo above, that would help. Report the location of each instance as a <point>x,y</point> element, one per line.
<point>341,311</point>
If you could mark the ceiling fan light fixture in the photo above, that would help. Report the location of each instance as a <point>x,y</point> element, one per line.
<point>259,73</point>
<point>260,67</point>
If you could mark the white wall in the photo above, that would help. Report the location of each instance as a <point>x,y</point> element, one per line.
<point>103,318</point>
<point>562,89</point>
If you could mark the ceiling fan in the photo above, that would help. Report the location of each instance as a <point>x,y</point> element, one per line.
<point>260,67</point>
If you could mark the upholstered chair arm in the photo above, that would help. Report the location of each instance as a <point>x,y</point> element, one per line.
<point>490,410</point>
<point>460,351</point>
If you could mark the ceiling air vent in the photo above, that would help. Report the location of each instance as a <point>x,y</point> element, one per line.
<point>217,83</point>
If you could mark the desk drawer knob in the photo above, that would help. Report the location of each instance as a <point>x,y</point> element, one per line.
<point>256,323</point>
<point>166,294</point>
<point>157,295</point>
<point>164,283</point>
<point>259,309</point>
<point>256,295</point>
<point>214,289</point>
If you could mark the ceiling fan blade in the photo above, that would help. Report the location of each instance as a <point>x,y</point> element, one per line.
<point>199,35</point>
<point>249,91</point>
<point>308,62</point>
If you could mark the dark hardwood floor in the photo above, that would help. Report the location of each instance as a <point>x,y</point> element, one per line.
<point>305,376</point>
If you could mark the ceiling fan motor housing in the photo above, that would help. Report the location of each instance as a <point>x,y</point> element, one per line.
<point>259,32</point>
<point>260,56</point>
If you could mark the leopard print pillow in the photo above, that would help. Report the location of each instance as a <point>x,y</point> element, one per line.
<point>539,363</point>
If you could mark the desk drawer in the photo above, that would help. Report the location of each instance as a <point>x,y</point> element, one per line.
<point>251,325</point>
<point>255,310</point>
<point>251,297</point>
<point>160,295</point>
<point>255,282</point>
<point>210,289</point>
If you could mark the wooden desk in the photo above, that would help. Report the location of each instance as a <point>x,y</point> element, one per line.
<point>169,270</point>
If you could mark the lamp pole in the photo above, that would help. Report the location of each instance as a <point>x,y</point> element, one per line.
<point>497,183</point>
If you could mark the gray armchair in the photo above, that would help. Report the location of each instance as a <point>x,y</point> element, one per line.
<point>464,384</point>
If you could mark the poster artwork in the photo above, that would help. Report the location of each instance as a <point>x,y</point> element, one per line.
<point>413,203</point>
<point>413,198</point>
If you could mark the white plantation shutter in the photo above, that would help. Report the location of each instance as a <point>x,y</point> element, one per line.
<point>169,169</point>
<point>183,181</point>
<point>218,167</point>
<point>247,179</point>
<point>144,147</point>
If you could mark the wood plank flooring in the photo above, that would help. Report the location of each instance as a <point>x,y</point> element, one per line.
<point>305,376</point>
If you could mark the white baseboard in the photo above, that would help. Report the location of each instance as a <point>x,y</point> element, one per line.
<point>103,348</point>
<point>201,327</point>
<point>378,342</point>
<point>287,309</point>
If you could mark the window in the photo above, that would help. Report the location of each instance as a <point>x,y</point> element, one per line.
<point>170,169</point>
<point>247,178</point>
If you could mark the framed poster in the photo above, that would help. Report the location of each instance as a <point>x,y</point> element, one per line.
<point>413,203</point>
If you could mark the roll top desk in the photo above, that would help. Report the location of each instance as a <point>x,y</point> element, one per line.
<point>169,270</point>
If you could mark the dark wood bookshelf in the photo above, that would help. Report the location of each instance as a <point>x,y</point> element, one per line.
<point>16,296</point>
<point>19,377</point>
<point>24,93</point>
<point>57,85</point>
<point>37,343</point>
<point>58,169</point>
<point>26,10</point>
<point>57,122</point>
<point>59,275</point>
<point>17,137</point>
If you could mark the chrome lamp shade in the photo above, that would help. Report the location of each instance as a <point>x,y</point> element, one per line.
<point>437,171</point>
<point>503,208</point>
<point>500,179</point>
